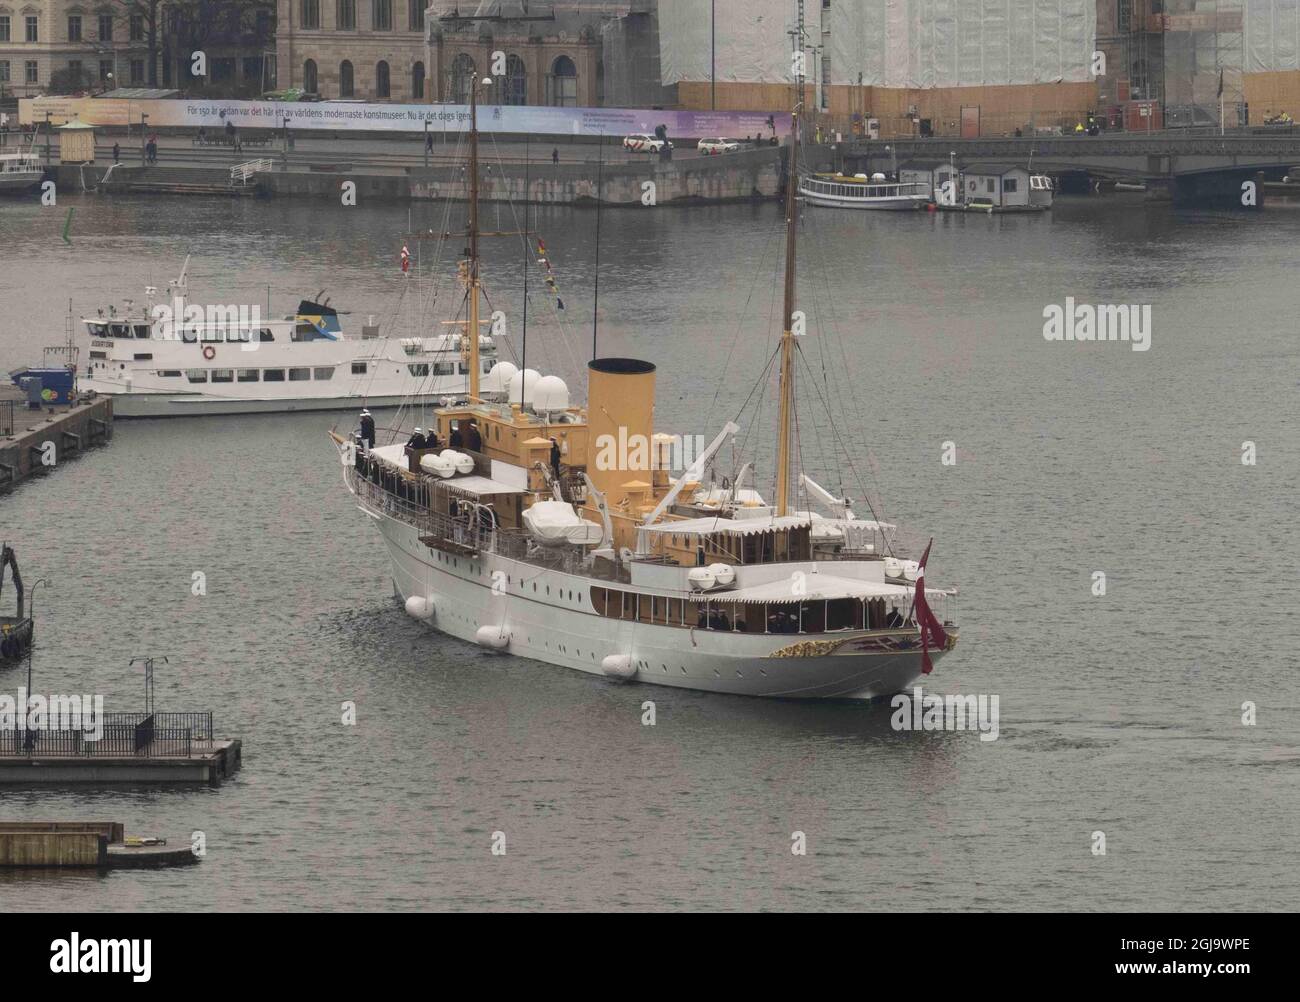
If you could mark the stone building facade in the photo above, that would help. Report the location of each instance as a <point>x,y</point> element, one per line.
<point>97,41</point>
<point>401,51</point>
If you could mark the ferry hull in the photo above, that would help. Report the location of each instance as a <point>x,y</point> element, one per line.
<point>900,203</point>
<point>565,632</point>
<point>157,405</point>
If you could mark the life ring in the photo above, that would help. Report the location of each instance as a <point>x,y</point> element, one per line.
<point>209,352</point>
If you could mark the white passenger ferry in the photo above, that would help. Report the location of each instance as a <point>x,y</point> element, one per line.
<point>841,191</point>
<point>236,363</point>
<point>524,529</point>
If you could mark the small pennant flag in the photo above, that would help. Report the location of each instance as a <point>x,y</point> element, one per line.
<point>406,259</point>
<point>931,630</point>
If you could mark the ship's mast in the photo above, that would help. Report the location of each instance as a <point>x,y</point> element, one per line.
<point>784,434</point>
<point>472,330</point>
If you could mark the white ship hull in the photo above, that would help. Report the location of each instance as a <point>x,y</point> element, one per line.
<point>542,623</point>
<point>140,404</point>
<point>887,203</point>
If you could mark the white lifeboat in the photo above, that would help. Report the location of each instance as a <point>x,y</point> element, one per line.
<point>555,523</point>
<point>439,466</point>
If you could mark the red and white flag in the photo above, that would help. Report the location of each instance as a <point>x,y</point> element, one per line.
<point>406,259</point>
<point>931,630</point>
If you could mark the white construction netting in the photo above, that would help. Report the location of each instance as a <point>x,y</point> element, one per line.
<point>885,43</point>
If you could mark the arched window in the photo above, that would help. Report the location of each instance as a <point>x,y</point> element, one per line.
<point>462,78</point>
<point>564,83</point>
<point>382,86</point>
<point>347,85</point>
<point>417,81</point>
<point>515,86</point>
<point>309,76</point>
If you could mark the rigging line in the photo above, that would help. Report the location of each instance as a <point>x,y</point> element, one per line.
<point>853,398</point>
<point>523,348</point>
<point>866,499</point>
<point>740,323</point>
<point>760,386</point>
<point>595,303</point>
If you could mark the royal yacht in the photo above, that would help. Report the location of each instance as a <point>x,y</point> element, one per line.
<point>168,357</point>
<point>534,533</point>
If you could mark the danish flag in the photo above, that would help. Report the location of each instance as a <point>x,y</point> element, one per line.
<point>931,630</point>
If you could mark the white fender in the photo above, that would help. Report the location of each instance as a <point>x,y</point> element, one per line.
<point>619,666</point>
<point>418,607</point>
<point>493,637</point>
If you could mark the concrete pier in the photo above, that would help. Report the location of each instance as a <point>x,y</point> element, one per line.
<point>35,441</point>
<point>84,844</point>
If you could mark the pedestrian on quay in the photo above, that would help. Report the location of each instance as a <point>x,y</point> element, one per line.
<point>117,152</point>
<point>555,155</point>
<point>428,142</point>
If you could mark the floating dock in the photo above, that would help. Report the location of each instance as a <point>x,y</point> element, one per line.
<point>35,441</point>
<point>210,763</point>
<point>84,844</point>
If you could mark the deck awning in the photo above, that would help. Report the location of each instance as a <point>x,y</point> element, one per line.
<point>477,487</point>
<point>816,588</point>
<point>711,525</point>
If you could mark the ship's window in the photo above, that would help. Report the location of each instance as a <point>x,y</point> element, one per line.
<point>189,336</point>
<point>443,368</point>
<point>299,375</point>
<point>119,330</point>
<point>419,369</point>
<point>462,368</point>
<point>142,331</point>
<point>196,375</point>
<point>169,373</point>
<point>273,375</point>
<point>100,354</point>
<point>98,330</point>
<point>265,335</point>
<point>212,334</point>
<point>143,356</point>
<point>240,336</point>
<point>358,368</point>
<point>223,375</point>
<point>487,365</point>
<point>323,372</point>
<point>246,376</point>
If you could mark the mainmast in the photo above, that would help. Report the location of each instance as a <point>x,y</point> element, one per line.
<point>473,276</point>
<point>784,434</point>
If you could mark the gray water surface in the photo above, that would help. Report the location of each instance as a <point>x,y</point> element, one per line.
<point>1119,714</point>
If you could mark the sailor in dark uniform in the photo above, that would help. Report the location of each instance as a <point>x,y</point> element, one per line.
<point>417,441</point>
<point>473,440</point>
<point>555,458</point>
<point>457,439</point>
<point>367,430</point>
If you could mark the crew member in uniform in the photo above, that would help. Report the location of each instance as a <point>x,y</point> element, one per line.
<point>473,440</point>
<point>417,441</point>
<point>555,458</point>
<point>457,439</point>
<point>367,430</point>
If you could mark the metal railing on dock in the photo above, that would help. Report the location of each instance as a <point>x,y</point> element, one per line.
<point>123,735</point>
<point>6,418</point>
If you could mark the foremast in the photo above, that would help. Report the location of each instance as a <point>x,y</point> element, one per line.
<point>784,441</point>
<point>472,270</point>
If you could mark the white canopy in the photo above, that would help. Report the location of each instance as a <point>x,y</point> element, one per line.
<point>815,588</point>
<point>711,524</point>
<point>478,486</point>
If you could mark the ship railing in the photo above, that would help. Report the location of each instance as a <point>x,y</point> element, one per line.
<point>6,418</point>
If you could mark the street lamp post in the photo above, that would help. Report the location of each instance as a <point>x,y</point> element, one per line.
<point>29,741</point>
<point>713,55</point>
<point>143,121</point>
<point>285,158</point>
<point>426,142</point>
<point>48,161</point>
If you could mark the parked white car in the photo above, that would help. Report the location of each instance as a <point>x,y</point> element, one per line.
<point>641,143</point>
<point>712,147</point>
